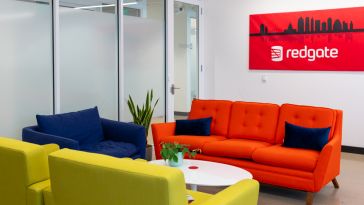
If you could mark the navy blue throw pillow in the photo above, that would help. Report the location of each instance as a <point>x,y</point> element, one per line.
<point>306,138</point>
<point>83,126</point>
<point>200,127</point>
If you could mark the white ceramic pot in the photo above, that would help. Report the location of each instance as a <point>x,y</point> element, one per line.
<point>172,163</point>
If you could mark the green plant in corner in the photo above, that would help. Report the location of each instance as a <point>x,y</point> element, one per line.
<point>170,151</point>
<point>143,115</point>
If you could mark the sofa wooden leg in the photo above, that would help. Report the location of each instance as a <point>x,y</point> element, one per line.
<point>309,198</point>
<point>336,184</point>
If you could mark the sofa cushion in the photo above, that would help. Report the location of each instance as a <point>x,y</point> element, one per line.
<point>219,110</point>
<point>293,158</point>
<point>257,121</point>
<point>112,148</point>
<point>235,148</point>
<point>194,142</point>
<point>83,126</point>
<point>304,116</point>
<point>307,138</point>
<point>200,127</point>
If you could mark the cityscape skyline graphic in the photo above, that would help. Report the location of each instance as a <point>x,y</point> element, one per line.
<point>310,25</point>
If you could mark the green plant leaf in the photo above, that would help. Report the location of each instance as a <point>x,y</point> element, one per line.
<point>143,114</point>
<point>147,101</point>
<point>155,104</point>
<point>175,158</point>
<point>170,150</point>
<point>138,110</point>
<point>185,150</point>
<point>131,106</point>
<point>164,154</point>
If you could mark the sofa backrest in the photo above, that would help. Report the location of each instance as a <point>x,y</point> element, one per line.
<point>305,116</point>
<point>257,121</point>
<point>83,126</point>
<point>21,165</point>
<point>219,110</point>
<point>95,179</point>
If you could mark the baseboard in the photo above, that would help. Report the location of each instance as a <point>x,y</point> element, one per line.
<point>354,150</point>
<point>184,114</point>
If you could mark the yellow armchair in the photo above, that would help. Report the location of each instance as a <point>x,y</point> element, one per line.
<point>80,178</point>
<point>244,192</point>
<point>23,172</point>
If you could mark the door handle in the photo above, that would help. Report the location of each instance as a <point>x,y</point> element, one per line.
<point>173,89</point>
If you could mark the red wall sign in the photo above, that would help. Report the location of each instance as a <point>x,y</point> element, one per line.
<point>326,40</point>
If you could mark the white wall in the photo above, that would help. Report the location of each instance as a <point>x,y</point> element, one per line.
<point>228,75</point>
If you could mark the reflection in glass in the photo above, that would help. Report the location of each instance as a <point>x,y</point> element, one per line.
<point>186,57</point>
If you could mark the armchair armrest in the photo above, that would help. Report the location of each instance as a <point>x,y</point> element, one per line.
<point>328,163</point>
<point>34,194</point>
<point>49,148</point>
<point>161,130</point>
<point>32,135</point>
<point>125,132</point>
<point>244,192</point>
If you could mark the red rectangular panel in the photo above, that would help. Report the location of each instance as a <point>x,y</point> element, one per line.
<point>325,40</point>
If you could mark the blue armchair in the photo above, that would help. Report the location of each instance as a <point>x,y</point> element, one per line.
<point>118,139</point>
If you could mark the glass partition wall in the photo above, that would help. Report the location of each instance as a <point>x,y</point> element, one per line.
<point>85,55</point>
<point>144,55</point>
<point>25,64</point>
<point>88,56</point>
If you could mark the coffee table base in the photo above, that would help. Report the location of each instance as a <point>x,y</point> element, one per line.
<point>193,187</point>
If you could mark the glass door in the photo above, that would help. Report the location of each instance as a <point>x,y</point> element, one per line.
<point>186,71</point>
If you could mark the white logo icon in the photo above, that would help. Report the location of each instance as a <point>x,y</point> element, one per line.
<point>277,53</point>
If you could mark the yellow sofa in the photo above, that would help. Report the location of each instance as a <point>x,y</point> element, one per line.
<point>80,178</point>
<point>23,172</point>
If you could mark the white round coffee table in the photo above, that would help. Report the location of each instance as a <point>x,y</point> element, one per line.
<point>205,173</point>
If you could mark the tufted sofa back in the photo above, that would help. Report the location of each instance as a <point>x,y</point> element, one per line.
<point>219,110</point>
<point>260,121</point>
<point>256,121</point>
<point>305,116</point>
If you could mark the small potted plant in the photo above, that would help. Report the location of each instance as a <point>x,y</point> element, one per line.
<point>142,115</point>
<point>173,153</point>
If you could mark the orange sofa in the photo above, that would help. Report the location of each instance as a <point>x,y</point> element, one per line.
<point>250,135</point>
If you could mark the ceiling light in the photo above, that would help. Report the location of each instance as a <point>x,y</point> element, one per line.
<point>106,5</point>
<point>130,3</point>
